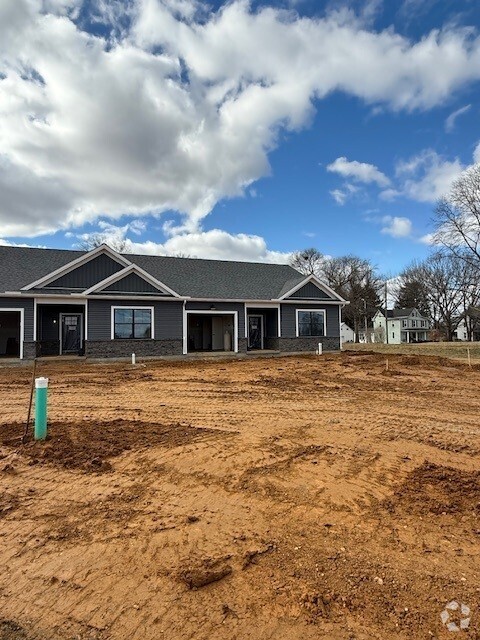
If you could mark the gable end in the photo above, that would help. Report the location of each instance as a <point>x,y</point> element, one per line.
<point>132,284</point>
<point>87,274</point>
<point>310,290</point>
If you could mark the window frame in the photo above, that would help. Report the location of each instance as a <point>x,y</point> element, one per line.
<point>132,308</point>
<point>297,323</point>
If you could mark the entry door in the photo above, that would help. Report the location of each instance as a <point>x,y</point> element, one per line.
<point>255,332</point>
<point>71,337</point>
<point>217,333</point>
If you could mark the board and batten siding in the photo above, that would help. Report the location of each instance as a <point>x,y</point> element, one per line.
<point>289,318</point>
<point>27,306</point>
<point>222,306</point>
<point>310,290</point>
<point>168,317</point>
<point>132,283</point>
<point>87,274</point>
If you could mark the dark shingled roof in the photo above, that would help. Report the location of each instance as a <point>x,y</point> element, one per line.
<point>218,279</point>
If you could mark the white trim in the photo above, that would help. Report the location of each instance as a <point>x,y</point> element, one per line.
<point>184,328</point>
<point>321,285</point>
<point>34,319</point>
<point>60,300</point>
<point>262,336</point>
<point>60,328</point>
<point>86,320</point>
<point>264,305</point>
<point>309,311</point>
<point>211,313</point>
<point>132,268</point>
<point>21,311</point>
<point>71,266</point>
<point>112,321</point>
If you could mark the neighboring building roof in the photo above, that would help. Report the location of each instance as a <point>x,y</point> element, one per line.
<point>399,313</point>
<point>196,278</point>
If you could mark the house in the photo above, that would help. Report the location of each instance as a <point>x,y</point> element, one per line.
<point>461,332</point>
<point>404,325</point>
<point>346,333</point>
<point>104,304</point>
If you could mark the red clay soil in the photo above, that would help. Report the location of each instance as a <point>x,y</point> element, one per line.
<point>289,498</point>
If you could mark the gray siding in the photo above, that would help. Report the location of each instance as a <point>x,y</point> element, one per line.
<point>27,306</point>
<point>310,290</point>
<point>88,274</point>
<point>133,283</point>
<point>168,317</point>
<point>288,316</point>
<point>222,306</point>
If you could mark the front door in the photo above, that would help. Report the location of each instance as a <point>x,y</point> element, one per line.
<point>71,332</point>
<point>255,332</point>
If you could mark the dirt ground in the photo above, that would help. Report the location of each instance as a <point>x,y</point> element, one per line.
<point>287,498</point>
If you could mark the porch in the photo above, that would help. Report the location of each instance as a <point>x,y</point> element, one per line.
<point>60,329</point>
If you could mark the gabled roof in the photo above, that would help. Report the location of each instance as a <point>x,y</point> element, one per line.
<point>187,277</point>
<point>400,313</point>
<point>131,269</point>
<point>71,265</point>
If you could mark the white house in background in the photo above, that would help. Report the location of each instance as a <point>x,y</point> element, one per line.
<point>461,332</point>
<point>346,334</point>
<point>401,326</point>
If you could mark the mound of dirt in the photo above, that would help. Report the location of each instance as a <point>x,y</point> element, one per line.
<point>88,445</point>
<point>432,488</point>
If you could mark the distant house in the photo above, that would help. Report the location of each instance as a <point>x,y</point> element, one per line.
<point>346,333</point>
<point>102,303</point>
<point>461,332</point>
<point>400,326</point>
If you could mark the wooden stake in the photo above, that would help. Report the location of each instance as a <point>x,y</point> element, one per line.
<point>469,359</point>
<point>386,365</point>
<point>32,387</point>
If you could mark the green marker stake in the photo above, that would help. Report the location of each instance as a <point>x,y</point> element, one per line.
<point>41,390</point>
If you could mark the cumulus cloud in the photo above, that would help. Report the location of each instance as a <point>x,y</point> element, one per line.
<point>427,176</point>
<point>396,226</point>
<point>213,244</point>
<point>476,153</point>
<point>359,171</point>
<point>452,118</point>
<point>177,108</point>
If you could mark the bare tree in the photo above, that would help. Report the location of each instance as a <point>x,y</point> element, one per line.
<point>94,240</point>
<point>412,292</point>
<point>309,262</point>
<point>358,281</point>
<point>444,277</point>
<point>457,217</point>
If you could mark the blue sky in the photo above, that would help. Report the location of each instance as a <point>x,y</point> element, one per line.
<point>239,131</point>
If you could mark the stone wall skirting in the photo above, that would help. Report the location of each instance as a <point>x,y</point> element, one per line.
<point>30,350</point>
<point>291,345</point>
<point>242,345</point>
<point>125,348</point>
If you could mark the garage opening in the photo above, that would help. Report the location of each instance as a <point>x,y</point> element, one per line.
<point>10,328</point>
<point>210,332</point>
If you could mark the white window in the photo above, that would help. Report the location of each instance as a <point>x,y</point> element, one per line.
<point>310,322</point>
<point>132,323</point>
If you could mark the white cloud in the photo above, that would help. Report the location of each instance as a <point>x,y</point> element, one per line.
<point>389,194</point>
<point>427,176</point>
<point>476,153</point>
<point>342,195</point>
<point>397,227</point>
<point>359,171</point>
<point>452,118</point>
<point>180,109</point>
<point>213,244</point>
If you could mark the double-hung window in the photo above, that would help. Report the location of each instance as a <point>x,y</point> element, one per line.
<point>132,323</point>
<point>310,323</point>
